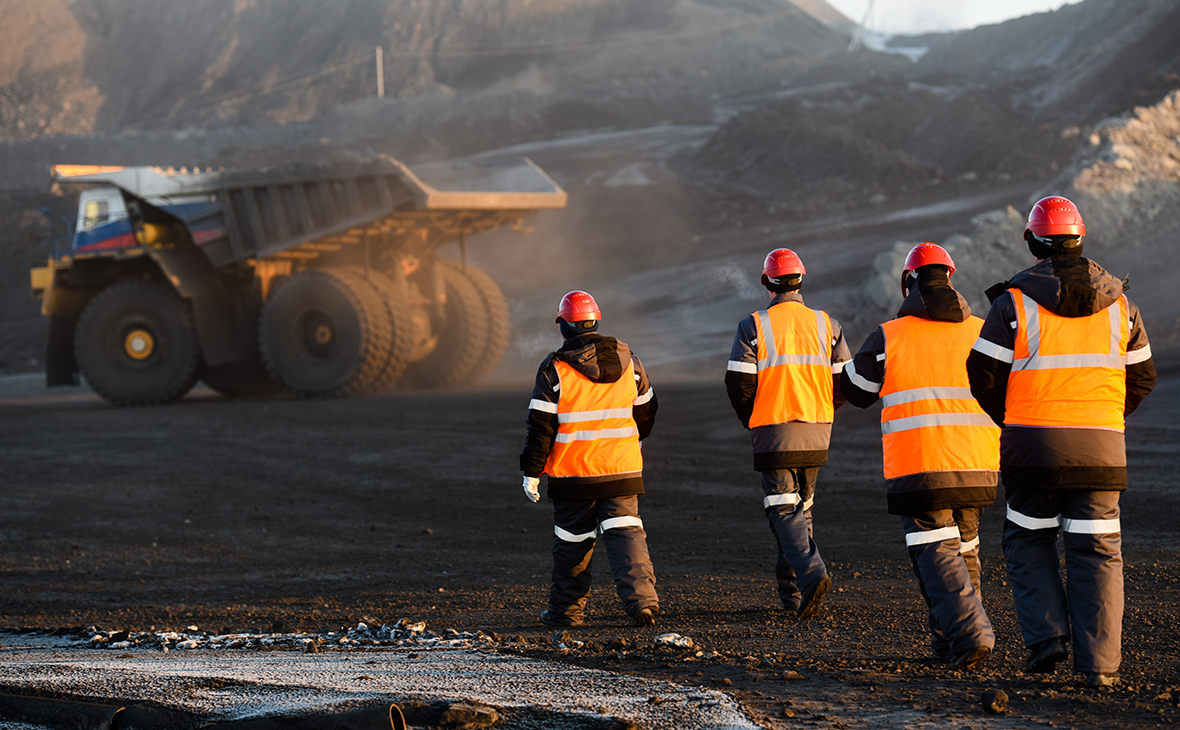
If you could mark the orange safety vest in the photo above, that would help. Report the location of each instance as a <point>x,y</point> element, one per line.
<point>929,420</point>
<point>1068,372</point>
<point>596,431</point>
<point>794,365</point>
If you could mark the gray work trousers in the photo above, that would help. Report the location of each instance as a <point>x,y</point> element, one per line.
<point>787,498</point>
<point>944,550</point>
<point>577,526</point>
<point>1091,601</point>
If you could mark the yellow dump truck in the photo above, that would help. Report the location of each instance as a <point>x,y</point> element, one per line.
<point>320,279</point>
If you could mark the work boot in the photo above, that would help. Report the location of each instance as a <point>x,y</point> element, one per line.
<point>552,618</point>
<point>1043,657</point>
<point>813,597</point>
<point>970,659</point>
<point>1102,679</point>
<point>646,617</point>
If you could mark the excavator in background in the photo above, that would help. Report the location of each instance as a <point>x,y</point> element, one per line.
<point>321,279</point>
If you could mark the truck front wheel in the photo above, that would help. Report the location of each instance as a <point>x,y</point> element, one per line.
<point>136,344</point>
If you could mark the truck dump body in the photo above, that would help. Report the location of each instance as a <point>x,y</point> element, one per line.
<point>234,216</point>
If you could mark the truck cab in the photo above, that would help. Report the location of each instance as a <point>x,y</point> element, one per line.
<point>103,224</point>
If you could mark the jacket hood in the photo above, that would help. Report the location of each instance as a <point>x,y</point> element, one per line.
<point>1069,286</point>
<point>600,359</point>
<point>936,299</point>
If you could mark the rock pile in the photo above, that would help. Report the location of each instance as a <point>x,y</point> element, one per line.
<point>1125,180</point>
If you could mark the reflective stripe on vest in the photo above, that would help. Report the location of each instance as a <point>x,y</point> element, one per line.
<point>596,431</point>
<point>1068,371</point>
<point>929,419</point>
<point>794,366</point>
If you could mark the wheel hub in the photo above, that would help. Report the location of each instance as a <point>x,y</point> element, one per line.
<point>318,332</point>
<point>139,344</point>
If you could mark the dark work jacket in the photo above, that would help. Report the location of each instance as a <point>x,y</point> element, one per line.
<point>779,446</point>
<point>602,360</point>
<point>933,299</point>
<point>1058,458</point>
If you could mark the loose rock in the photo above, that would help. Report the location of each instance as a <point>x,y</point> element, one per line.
<point>995,701</point>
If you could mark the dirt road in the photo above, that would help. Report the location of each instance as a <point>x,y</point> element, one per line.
<point>311,514</point>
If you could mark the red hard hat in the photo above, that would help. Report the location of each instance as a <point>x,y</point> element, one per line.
<point>925,254</point>
<point>578,306</point>
<point>1055,216</point>
<point>781,262</point>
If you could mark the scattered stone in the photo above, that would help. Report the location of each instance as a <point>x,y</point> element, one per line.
<point>619,642</point>
<point>428,531</point>
<point>119,636</point>
<point>560,637</point>
<point>726,681</point>
<point>469,715</point>
<point>995,701</point>
<point>792,674</point>
<point>311,647</point>
<point>675,640</point>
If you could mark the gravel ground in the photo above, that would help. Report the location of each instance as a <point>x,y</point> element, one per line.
<point>289,516</point>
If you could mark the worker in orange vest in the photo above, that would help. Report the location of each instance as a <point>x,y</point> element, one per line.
<point>941,451</point>
<point>782,383</point>
<point>1061,360</point>
<point>592,404</point>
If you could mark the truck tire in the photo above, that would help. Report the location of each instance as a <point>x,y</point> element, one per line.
<point>136,344</point>
<point>397,309</point>
<point>244,379</point>
<point>323,333</point>
<point>462,341</point>
<point>499,321</point>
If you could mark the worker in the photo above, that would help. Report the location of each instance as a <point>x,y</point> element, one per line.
<point>592,404</point>
<point>782,383</point>
<point>1061,360</point>
<point>941,452</point>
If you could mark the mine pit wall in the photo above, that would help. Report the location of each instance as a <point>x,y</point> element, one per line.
<point>1125,180</point>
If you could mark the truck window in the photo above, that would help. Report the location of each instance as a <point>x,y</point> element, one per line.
<point>96,212</point>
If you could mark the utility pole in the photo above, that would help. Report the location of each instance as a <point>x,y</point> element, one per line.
<point>380,73</point>
<point>859,33</point>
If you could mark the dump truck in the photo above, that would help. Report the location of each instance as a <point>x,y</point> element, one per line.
<point>321,279</point>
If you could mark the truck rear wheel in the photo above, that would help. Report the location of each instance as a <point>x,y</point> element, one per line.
<point>323,333</point>
<point>136,344</point>
<point>499,322</point>
<point>397,309</point>
<point>462,341</point>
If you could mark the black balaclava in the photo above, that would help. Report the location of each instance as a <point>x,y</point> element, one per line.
<point>1046,247</point>
<point>790,282</point>
<point>571,330</point>
<point>938,296</point>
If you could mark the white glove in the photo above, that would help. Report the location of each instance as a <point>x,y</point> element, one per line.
<point>530,488</point>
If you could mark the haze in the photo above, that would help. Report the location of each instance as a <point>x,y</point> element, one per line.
<point>922,16</point>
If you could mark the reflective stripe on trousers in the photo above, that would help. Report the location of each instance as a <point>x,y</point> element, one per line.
<point>607,524</point>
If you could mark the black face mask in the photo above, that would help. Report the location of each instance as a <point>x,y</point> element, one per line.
<point>1050,246</point>
<point>571,330</point>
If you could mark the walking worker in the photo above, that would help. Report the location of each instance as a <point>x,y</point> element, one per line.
<point>941,451</point>
<point>1062,359</point>
<point>592,404</point>
<point>782,383</point>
